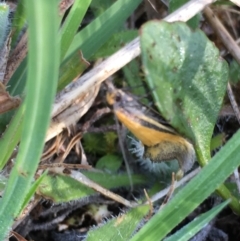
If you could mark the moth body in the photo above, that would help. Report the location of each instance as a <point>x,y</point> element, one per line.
<point>161,142</point>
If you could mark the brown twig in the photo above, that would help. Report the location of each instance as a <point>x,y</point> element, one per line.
<point>170,192</point>
<point>233,102</point>
<point>89,183</point>
<point>150,204</point>
<point>16,58</point>
<point>223,34</point>
<point>185,179</point>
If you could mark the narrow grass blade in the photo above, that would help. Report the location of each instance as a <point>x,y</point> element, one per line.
<point>92,37</point>
<point>4,23</point>
<point>19,21</point>
<point>71,24</point>
<point>43,64</point>
<point>197,224</point>
<point>194,193</point>
<point>16,86</point>
<point>11,137</point>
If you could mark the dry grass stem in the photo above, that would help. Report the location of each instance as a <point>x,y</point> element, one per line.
<point>71,115</point>
<point>237,2</point>
<point>89,183</point>
<point>185,179</point>
<point>221,31</point>
<point>16,58</point>
<point>233,102</point>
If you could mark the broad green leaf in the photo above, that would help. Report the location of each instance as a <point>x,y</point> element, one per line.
<point>120,228</point>
<point>196,225</point>
<point>60,188</point>
<point>188,79</point>
<point>194,193</point>
<point>109,162</point>
<point>43,64</point>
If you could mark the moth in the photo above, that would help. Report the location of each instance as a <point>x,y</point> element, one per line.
<point>161,142</point>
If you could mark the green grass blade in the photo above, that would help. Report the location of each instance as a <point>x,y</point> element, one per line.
<point>197,224</point>
<point>11,137</point>
<point>194,193</point>
<point>102,27</point>
<point>91,38</point>
<point>32,190</point>
<point>19,21</point>
<point>16,87</point>
<point>4,23</point>
<point>43,64</point>
<point>17,83</point>
<point>72,23</point>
